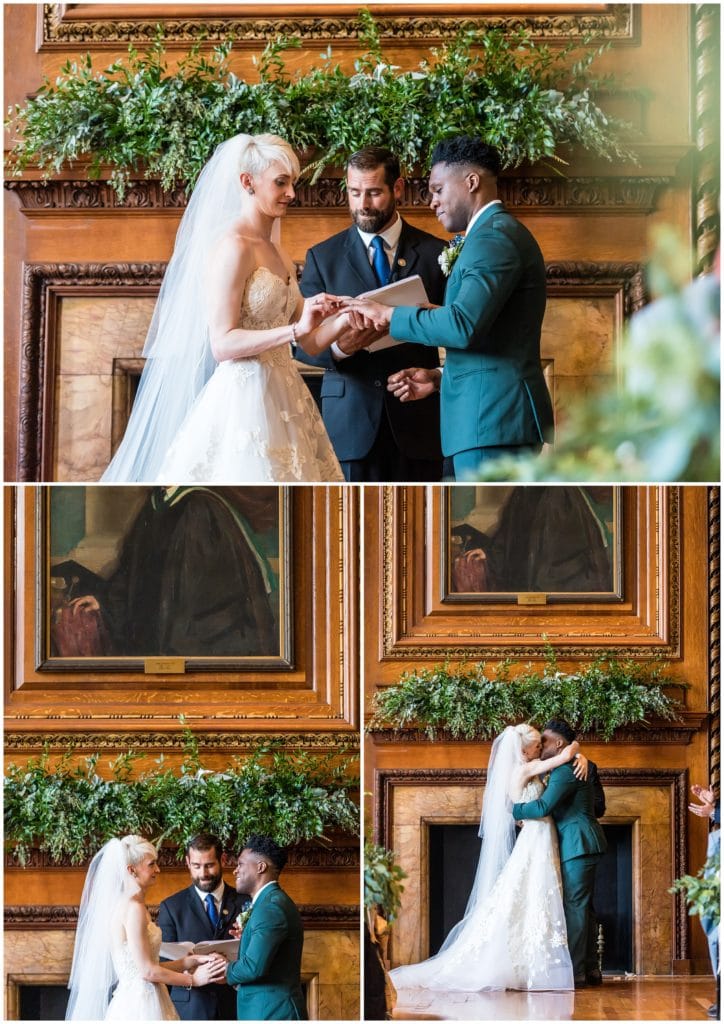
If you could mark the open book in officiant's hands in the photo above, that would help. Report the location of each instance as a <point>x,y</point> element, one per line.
<point>410,291</point>
<point>176,950</point>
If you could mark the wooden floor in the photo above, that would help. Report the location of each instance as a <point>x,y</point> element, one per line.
<point>627,999</point>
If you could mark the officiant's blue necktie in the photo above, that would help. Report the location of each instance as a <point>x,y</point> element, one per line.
<point>380,263</point>
<point>211,910</point>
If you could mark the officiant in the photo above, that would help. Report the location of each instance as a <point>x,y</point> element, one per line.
<point>206,909</point>
<point>375,437</point>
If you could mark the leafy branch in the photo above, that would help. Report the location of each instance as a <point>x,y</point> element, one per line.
<point>471,703</point>
<point>70,811</point>
<point>136,114</point>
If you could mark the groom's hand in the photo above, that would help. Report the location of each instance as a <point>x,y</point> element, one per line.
<point>352,339</point>
<point>413,383</point>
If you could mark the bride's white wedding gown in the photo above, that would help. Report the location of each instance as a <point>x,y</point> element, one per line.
<point>135,998</point>
<point>255,420</point>
<point>516,937</point>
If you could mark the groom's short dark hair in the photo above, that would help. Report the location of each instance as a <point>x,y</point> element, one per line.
<point>562,728</point>
<point>264,846</point>
<point>468,150</point>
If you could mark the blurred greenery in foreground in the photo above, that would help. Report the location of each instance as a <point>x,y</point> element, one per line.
<point>662,421</point>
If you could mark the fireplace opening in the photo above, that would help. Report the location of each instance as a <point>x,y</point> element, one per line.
<point>42,1002</point>
<point>453,858</point>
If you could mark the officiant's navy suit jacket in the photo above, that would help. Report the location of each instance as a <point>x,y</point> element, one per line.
<point>182,918</point>
<point>493,391</point>
<point>354,390</point>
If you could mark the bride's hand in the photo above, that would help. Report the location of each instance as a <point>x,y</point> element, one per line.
<point>214,969</point>
<point>316,308</point>
<point>580,767</point>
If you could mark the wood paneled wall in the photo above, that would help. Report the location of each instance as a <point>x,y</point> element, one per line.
<point>675,613</point>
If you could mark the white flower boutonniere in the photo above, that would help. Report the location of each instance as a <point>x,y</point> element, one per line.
<point>447,257</point>
<point>242,918</point>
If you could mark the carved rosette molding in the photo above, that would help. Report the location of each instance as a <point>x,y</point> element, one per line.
<point>159,742</point>
<point>714,636</point>
<point>708,136</point>
<point>315,916</point>
<point>582,196</point>
<point>386,780</point>
<point>395,603</point>
<point>668,733</point>
<point>617,22</point>
<point>335,855</point>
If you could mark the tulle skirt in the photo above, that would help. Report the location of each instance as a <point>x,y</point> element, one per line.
<point>516,938</point>
<point>254,421</point>
<point>136,999</point>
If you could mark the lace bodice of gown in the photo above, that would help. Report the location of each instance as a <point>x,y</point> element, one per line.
<point>255,420</point>
<point>126,967</point>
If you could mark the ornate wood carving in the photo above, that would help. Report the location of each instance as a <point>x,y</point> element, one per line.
<point>30,743</point>
<point>714,637</point>
<point>416,628</point>
<point>316,692</point>
<point>669,733</point>
<point>386,780</point>
<point>60,28</point>
<point>340,854</point>
<point>707,186</point>
<point>579,195</point>
<point>315,917</point>
<point>44,284</point>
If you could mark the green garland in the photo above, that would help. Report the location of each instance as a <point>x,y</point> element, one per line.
<point>515,93</point>
<point>467,703</point>
<point>70,812</point>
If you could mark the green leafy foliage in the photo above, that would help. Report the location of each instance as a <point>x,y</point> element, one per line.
<point>468,703</point>
<point>703,892</point>
<point>520,95</point>
<point>662,421</point>
<point>383,880</point>
<point>71,811</point>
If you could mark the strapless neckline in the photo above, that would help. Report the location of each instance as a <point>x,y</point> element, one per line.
<point>256,270</point>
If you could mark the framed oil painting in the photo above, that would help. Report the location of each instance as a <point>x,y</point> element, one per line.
<point>152,577</point>
<point>532,545</point>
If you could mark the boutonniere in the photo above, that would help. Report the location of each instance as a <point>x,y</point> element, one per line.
<point>447,257</point>
<point>242,918</point>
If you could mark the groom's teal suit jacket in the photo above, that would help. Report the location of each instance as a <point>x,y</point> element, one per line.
<point>493,391</point>
<point>570,801</point>
<point>268,971</point>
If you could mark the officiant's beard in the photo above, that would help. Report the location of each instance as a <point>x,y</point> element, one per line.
<point>373,221</point>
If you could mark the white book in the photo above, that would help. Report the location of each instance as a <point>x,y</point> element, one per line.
<point>410,291</point>
<point>176,950</point>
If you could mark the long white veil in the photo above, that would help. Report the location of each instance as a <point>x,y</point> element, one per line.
<point>92,974</point>
<point>178,354</point>
<point>497,827</point>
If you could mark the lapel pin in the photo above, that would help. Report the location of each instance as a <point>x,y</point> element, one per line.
<point>402,263</point>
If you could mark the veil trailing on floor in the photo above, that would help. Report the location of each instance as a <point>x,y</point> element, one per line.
<point>93,975</point>
<point>179,360</point>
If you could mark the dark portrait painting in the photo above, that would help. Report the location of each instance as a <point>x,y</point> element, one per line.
<point>559,541</point>
<point>185,572</point>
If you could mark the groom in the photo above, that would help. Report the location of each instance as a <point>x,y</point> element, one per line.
<point>493,397</point>
<point>572,803</point>
<point>268,971</point>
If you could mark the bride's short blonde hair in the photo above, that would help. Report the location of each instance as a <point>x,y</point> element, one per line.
<point>528,734</point>
<point>135,848</point>
<point>261,151</point>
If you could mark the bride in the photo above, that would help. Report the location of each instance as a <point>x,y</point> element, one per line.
<point>513,934</point>
<point>220,399</point>
<point>117,943</point>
